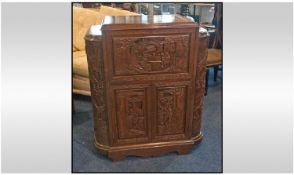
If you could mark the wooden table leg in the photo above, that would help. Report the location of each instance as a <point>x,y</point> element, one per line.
<point>73,107</point>
<point>206,81</point>
<point>215,70</point>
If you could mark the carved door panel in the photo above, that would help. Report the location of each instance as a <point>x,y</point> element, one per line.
<point>141,55</point>
<point>155,112</point>
<point>152,54</point>
<point>172,111</point>
<point>131,118</point>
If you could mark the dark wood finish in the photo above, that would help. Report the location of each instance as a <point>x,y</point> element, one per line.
<point>147,76</point>
<point>201,81</point>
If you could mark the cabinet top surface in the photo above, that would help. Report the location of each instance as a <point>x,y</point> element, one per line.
<point>111,23</point>
<point>146,20</point>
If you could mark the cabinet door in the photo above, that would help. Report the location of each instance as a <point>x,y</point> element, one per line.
<point>172,111</point>
<point>130,116</point>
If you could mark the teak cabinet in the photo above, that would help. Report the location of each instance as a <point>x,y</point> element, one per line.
<point>147,76</point>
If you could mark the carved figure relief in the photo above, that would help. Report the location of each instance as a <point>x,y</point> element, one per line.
<point>136,55</point>
<point>131,114</point>
<point>135,115</point>
<point>171,111</point>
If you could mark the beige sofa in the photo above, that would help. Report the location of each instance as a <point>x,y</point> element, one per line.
<point>82,20</point>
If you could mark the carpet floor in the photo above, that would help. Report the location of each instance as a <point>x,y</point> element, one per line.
<point>205,157</point>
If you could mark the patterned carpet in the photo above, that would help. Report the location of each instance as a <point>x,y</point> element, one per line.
<point>205,157</point>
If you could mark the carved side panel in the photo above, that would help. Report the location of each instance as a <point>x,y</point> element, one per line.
<point>171,110</point>
<point>97,84</point>
<point>131,113</point>
<point>157,54</point>
<point>200,84</point>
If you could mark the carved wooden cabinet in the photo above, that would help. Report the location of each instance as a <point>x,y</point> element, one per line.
<point>147,76</point>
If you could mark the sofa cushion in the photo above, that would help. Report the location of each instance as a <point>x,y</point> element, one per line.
<point>80,65</point>
<point>82,20</point>
<point>109,11</point>
<point>81,85</point>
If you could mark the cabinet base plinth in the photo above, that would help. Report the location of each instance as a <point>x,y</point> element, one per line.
<point>117,153</point>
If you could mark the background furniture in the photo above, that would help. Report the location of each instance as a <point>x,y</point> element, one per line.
<point>147,83</point>
<point>215,52</point>
<point>156,8</point>
<point>82,20</point>
<point>214,60</point>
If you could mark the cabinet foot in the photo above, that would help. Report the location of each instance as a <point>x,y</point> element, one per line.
<point>116,156</point>
<point>117,153</point>
<point>184,150</point>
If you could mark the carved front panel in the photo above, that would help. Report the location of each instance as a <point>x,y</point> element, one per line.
<point>156,54</point>
<point>131,113</point>
<point>171,110</point>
